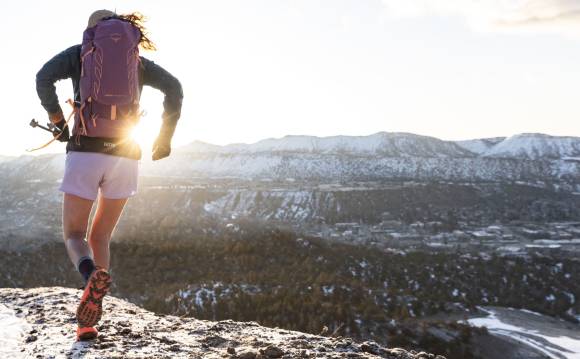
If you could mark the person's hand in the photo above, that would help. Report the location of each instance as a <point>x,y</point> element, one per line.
<point>162,145</point>
<point>161,148</point>
<point>59,122</point>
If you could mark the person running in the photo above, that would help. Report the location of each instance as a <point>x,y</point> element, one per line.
<point>102,161</point>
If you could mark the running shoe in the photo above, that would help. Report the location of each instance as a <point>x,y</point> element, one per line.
<point>90,308</point>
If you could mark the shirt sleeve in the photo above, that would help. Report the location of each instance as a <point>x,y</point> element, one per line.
<point>58,68</point>
<point>159,78</point>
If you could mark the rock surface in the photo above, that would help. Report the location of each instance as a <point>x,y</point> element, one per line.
<point>128,331</point>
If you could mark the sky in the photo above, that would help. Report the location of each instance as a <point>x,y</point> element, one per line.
<point>255,69</point>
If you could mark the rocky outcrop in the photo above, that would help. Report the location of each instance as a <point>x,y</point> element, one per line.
<point>128,331</point>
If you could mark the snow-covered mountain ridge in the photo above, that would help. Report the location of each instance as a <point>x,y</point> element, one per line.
<point>383,144</point>
<point>536,146</point>
<point>531,158</point>
<point>396,144</point>
<point>524,157</point>
<point>41,323</point>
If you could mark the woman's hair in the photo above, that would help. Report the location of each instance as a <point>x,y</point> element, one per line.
<point>137,19</point>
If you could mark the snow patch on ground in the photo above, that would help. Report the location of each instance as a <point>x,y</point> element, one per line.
<point>556,345</point>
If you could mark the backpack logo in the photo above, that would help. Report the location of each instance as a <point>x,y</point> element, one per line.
<point>116,37</point>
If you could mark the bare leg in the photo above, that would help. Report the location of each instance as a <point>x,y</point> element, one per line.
<point>75,219</point>
<point>106,217</point>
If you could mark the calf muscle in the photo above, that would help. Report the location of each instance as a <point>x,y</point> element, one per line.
<point>75,218</point>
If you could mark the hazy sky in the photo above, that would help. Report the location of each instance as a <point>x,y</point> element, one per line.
<point>252,69</point>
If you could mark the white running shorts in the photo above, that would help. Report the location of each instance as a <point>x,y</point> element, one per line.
<point>86,173</point>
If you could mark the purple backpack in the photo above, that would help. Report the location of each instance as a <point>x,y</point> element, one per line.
<point>109,82</point>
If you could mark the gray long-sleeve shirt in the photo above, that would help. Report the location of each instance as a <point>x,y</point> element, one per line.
<point>67,64</point>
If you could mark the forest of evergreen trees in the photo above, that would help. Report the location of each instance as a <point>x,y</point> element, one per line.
<point>274,278</point>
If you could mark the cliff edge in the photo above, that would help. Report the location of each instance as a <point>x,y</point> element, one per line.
<point>40,322</point>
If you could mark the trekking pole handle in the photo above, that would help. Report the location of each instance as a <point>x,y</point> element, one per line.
<point>50,127</point>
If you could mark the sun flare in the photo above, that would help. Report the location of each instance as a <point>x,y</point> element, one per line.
<point>144,134</point>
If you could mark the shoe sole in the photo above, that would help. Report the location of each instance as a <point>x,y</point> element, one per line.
<point>90,308</point>
<point>86,335</point>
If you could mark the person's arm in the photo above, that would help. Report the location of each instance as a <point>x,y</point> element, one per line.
<point>58,68</point>
<point>158,78</point>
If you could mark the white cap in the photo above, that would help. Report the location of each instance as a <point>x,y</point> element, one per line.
<point>98,16</point>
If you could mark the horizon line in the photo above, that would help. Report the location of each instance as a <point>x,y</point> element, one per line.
<point>24,154</point>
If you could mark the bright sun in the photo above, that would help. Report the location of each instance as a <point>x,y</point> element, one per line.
<point>144,133</point>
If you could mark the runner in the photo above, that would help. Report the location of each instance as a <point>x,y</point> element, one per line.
<point>102,161</point>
